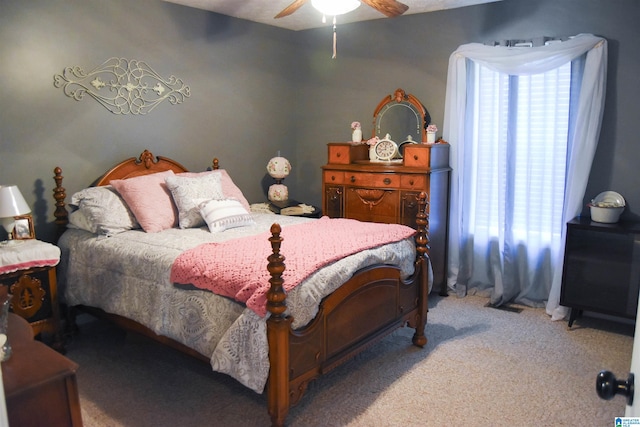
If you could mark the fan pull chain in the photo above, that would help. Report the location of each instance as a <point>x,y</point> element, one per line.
<point>334,38</point>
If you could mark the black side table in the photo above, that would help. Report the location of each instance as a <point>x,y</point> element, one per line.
<point>277,208</point>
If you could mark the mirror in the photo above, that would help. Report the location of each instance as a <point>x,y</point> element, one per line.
<point>402,116</point>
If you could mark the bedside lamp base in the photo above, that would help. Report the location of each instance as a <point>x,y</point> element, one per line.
<point>278,193</point>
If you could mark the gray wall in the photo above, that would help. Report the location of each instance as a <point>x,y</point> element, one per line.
<point>412,52</point>
<point>257,89</point>
<point>238,73</point>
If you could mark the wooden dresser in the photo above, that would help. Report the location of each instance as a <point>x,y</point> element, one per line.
<point>387,192</point>
<point>39,383</point>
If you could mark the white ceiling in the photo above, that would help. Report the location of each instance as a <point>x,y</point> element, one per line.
<point>307,17</point>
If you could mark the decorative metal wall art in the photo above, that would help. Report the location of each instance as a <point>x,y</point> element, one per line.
<point>122,86</point>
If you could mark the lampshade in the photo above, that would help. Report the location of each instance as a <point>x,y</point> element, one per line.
<point>278,167</point>
<point>335,7</point>
<point>11,202</point>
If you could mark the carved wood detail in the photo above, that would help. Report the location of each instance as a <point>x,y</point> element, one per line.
<point>28,296</point>
<point>370,197</point>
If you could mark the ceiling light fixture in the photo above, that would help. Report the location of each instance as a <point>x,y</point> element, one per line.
<point>335,7</point>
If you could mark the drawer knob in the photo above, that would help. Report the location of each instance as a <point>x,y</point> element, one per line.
<point>410,182</point>
<point>338,154</point>
<point>415,157</point>
<point>333,178</point>
<point>353,178</point>
<point>387,181</point>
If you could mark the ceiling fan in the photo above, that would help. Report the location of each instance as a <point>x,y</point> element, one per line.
<point>391,8</point>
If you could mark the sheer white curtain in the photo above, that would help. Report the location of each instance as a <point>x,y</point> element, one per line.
<point>586,113</point>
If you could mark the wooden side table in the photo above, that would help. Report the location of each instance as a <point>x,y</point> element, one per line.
<point>40,384</point>
<point>28,273</point>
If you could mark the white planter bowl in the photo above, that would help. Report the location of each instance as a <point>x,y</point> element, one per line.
<point>606,214</point>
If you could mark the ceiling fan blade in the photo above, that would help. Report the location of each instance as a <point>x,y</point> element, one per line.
<point>391,8</point>
<point>291,8</point>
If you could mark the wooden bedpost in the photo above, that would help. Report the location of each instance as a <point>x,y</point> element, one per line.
<point>422,221</point>
<point>422,263</point>
<point>59,193</point>
<point>278,328</point>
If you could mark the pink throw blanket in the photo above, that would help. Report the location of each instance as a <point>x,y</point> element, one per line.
<point>238,268</point>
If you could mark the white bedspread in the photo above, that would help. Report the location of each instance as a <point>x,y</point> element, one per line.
<point>128,274</point>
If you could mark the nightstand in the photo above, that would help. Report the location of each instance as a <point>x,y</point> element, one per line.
<point>28,270</point>
<point>279,207</point>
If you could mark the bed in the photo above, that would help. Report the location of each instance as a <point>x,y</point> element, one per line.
<point>277,338</point>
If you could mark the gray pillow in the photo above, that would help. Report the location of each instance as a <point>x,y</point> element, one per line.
<point>103,211</point>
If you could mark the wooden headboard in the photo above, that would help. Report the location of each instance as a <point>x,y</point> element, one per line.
<point>144,165</point>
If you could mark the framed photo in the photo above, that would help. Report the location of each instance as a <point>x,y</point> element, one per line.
<point>24,228</point>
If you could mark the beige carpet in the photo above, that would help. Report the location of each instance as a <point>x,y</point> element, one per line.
<point>481,367</point>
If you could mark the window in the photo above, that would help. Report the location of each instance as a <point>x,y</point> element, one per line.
<point>519,132</point>
<point>521,155</point>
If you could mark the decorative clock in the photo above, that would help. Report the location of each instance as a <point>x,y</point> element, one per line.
<point>384,150</point>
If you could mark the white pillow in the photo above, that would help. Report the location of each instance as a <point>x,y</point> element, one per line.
<point>223,214</point>
<point>102,211</point>
<point>189,192</point>
<point>229,188</point>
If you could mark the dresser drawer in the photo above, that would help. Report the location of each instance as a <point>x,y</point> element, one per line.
<point>431,156</point>
<point>372,205</point>
<point>376,180</point>
<point>345,153</point>
<point>413,182</point>
<point>333,177</point>
<point>418,155</point>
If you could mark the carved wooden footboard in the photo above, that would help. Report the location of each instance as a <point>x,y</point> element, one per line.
<point>365,309</point>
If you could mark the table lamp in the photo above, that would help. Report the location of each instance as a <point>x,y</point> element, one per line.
<point>12,204</point>
<point>278,168</point>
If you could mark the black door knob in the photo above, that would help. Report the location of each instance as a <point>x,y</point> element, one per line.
<point>608,386</point>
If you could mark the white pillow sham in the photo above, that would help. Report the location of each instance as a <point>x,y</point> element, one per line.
<point>189,192</point>
<point>229,188</point>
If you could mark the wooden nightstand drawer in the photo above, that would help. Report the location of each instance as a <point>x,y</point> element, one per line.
<point>344,153</point>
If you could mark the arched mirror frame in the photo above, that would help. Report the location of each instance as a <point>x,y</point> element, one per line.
<point>401,97</point>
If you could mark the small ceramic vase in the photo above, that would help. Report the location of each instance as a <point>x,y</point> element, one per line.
<point>356,136</point>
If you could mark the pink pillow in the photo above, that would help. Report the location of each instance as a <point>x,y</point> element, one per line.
<point>150,200</point>
<point>229,188</point>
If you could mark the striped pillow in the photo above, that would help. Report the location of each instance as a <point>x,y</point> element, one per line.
<point>220,215</point>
